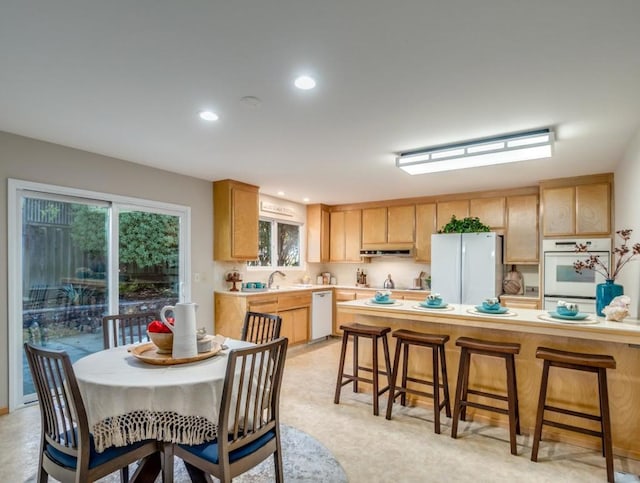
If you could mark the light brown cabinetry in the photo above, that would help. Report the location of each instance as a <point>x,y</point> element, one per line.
<point>576,206</point>
<point>425,227</point>
<point>393,225</point>
<point>446,209</point>
<point>345,236</point>
<point>236,215</point>
<point>593,208</point>
<point>490,211</point>
<point>521,236</point>
<point>341,295</point>
<point>520,302</point>
<point>318,233</point>
<point>294,309</point>
<point>418,295</point>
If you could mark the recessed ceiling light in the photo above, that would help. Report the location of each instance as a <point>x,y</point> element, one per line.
<point>306,200</point>
<point>305,82</point>
<point>208,116</point>
<point>280,193</point>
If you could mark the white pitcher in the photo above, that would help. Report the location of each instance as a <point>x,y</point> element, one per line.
<point>185,342</point>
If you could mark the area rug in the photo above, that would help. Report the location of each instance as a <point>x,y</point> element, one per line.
<point>304,458</point>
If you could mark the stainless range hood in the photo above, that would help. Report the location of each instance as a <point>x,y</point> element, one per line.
<point>391,252</point>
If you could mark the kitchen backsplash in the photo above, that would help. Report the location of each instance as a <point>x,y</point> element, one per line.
<point>402,272</point>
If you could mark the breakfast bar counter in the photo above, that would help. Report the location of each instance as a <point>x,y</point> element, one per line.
<point>532,329</point>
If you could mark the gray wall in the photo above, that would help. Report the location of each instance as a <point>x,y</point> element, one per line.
<point>32,160</point>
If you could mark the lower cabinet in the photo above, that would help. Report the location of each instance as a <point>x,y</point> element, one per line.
<point>340,295</point>
<point>295,325</point>
<point>293,307</point>
<point>520,302</point>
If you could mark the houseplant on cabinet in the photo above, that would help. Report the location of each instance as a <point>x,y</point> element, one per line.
<point>605,292</point>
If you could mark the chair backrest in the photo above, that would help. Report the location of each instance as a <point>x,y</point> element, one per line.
<point>124,329</point>
<point>251,395</point>
<point>64,419</point>
<point>260,328</point>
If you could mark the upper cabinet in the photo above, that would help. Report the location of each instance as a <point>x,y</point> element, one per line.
<point>521,235</point>
<point>490,211</point>
<point>236,216</point>
<point>392,225</point>
<point>318,232</point>
<point>577,206</point>
<point>344,237</point>
<point>446,209</point>
<point>425,227</point>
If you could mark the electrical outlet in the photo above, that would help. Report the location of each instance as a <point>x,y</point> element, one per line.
<point>197,277</point>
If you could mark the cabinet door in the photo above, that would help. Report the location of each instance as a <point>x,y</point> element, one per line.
<point>489,210</point>
<point>521,240</point>
<point>593,209</point>
<point>559,211</point>
<point>339,319</point>
<point>337,238</point>
<point>446,209</point>
<point>295,325</point>
<point>400,224</point>
<point>318,222</point>
<point>244,243</point>
<point>425,227</point>
<point>374,226</point>
<point>352,233</point>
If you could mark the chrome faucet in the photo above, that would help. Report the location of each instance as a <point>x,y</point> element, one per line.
<point>270,281</point>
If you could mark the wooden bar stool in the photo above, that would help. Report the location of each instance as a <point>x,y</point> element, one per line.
<point>504,350</point>
<point>370,332</point>
<point>580,362</point>
<point>436,343</point>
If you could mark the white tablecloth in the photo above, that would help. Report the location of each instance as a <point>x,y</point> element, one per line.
<point>128,400</point>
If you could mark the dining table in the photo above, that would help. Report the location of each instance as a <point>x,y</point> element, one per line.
<point>129,399</point>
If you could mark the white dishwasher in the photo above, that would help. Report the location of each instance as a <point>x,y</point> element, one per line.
<point>321,315</point>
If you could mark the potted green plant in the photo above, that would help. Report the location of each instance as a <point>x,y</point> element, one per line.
<point>469,224</point>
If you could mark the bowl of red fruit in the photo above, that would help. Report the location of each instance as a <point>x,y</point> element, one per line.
<point>161,336</point>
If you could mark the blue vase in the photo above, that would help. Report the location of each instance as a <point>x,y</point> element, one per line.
<point>605,292</point>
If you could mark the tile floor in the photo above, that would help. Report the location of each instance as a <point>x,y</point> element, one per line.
<point>370,448</point>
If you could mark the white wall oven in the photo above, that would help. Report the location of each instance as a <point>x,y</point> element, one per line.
<point>562,282</point>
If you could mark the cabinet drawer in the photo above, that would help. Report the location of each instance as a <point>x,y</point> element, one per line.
<point>345,295</point>
<point>293,300</point>
<point>265,305</point>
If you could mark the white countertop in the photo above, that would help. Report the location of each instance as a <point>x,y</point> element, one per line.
<point>518,320</point>
<point>313,287</point>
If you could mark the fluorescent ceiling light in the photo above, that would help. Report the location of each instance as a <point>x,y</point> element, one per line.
<point>484,152</point>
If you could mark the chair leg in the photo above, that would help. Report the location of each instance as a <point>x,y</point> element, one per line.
<point>355,362</point>
<point>465,385</point>
<point>343,353</point>
<point>405,365</point>
<point>512,402</point>
<point>394,378</point>
<point>167,462</point>
<point>456,405</point>
<point>374,369</point>
<point>436,389</point>
<point>387,360</point>
<point>277,461</point>
<point>537,434</point>
<point>606,423</point>
<point>124,474</point>
<point>445,382</point>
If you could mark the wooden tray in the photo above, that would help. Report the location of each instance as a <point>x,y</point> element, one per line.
<point>148,353</point>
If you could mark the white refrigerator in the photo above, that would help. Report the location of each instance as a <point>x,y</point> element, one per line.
<point>466,268</point>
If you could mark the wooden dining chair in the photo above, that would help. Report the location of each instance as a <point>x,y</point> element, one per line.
<point>249,422</point>
<point>67,451</point>
<point>124,329</point>
<point>260,328</point>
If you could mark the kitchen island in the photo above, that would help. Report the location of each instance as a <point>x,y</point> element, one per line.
<point>531,328</point>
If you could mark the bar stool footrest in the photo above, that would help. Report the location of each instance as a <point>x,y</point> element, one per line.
<point>571,427</point>
<point>570,412</point>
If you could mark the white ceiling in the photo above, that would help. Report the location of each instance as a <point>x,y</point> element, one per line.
<point>127,79</point>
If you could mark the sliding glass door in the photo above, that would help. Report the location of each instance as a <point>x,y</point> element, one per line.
<point>79,258</point>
